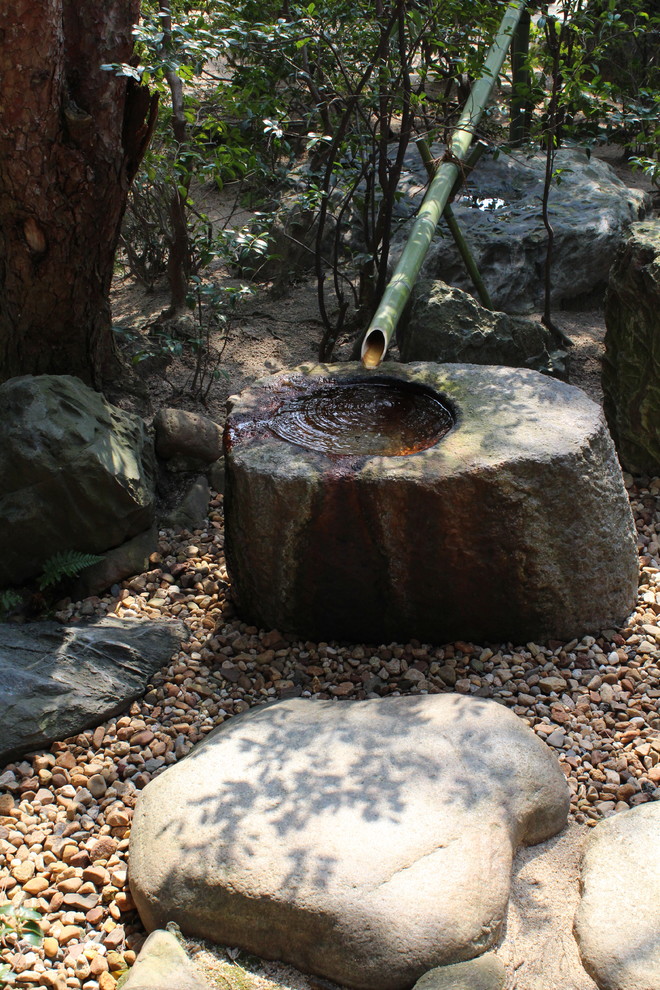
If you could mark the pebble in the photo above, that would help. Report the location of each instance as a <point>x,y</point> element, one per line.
<point>65,815</point>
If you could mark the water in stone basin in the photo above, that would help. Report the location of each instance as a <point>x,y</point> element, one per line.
<point>364,418</point>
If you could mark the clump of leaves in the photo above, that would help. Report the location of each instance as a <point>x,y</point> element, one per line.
<point>10,599</point>
<point>66,563</point>
<point>23,924</point>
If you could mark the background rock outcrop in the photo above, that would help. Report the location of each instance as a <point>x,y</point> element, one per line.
<point>445,324</point>
<point>499,212</point>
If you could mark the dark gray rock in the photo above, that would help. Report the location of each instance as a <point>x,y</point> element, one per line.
<point>483,973</point>
<point>163,964</point>
<point>500,215</point>
<point>188,434</point>
<point>514,526</point>
<point>445,324</point>
<point>217,476</point>
<point>130,558</point>
<point>365,841</point>
<point>631,364</point>
<point>192,511</point>
<point>617,924</point>
<point>76,473</point>
<point>57,680</point>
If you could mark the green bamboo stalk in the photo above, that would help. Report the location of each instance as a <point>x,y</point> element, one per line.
<point>397,292</point>
<point>455,230</point>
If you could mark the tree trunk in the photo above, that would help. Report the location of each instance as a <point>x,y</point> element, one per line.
<point>71,138</point>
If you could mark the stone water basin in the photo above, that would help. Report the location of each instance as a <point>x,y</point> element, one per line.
<point>432,502</point>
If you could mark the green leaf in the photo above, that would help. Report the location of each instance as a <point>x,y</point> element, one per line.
<point>66,563</point>
<point>25,912</point>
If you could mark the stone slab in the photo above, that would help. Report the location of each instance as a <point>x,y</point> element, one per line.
<point>56,681</point>
<point>367,842</point>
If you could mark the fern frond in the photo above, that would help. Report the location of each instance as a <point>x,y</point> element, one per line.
<point>9,599</point>
<point>66,563</point>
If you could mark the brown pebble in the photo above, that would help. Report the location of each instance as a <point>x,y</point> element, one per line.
<point>24,871</point>
<point>114,938</point>
<point>103,848</point>
<point>66,760</point>
<point>98,965</point>
<point>124,901</point>
<point>97,785</point>
<point>36,886</point>
<point>95,916</point>
<point>80,858</point>
<point>98,875</point>
<point>68,933</point>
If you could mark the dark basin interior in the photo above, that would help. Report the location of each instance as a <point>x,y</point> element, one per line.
<point>364,417</point>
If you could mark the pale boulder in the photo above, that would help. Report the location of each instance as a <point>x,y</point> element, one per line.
<point>367,842</point>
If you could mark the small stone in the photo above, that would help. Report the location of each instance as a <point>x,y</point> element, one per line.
<point>97,785</point>
<point>36,886</point>
<point>98,965</point>
<point>114,938</point>
<point>552,683</point>
<point>103,848</point>
<point>98,875</point>
<point>118,818</point>
<point>80,902</point>
<point>95,916</point>
<point>24,871</point>
<point>51,948</point>
<point>68,934</point>
<point>124,901</point>
<point>486,972</point>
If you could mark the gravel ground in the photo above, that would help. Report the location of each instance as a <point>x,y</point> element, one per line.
<point>65,814</point>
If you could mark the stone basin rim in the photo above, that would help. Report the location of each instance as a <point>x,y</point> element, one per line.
<point>489,406</point>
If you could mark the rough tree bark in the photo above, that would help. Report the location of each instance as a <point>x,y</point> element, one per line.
<point>71,139</point>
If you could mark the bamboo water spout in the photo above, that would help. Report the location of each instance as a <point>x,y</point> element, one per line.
<point>397,292</point>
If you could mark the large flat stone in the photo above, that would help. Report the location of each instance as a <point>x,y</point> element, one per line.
<point>514,526</point>
<point>617,924</point>
<point>367,842</point>
<point>57,680</point>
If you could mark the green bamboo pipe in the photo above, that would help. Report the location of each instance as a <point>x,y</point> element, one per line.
<point>397,292</point>
<point>452,223</point>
